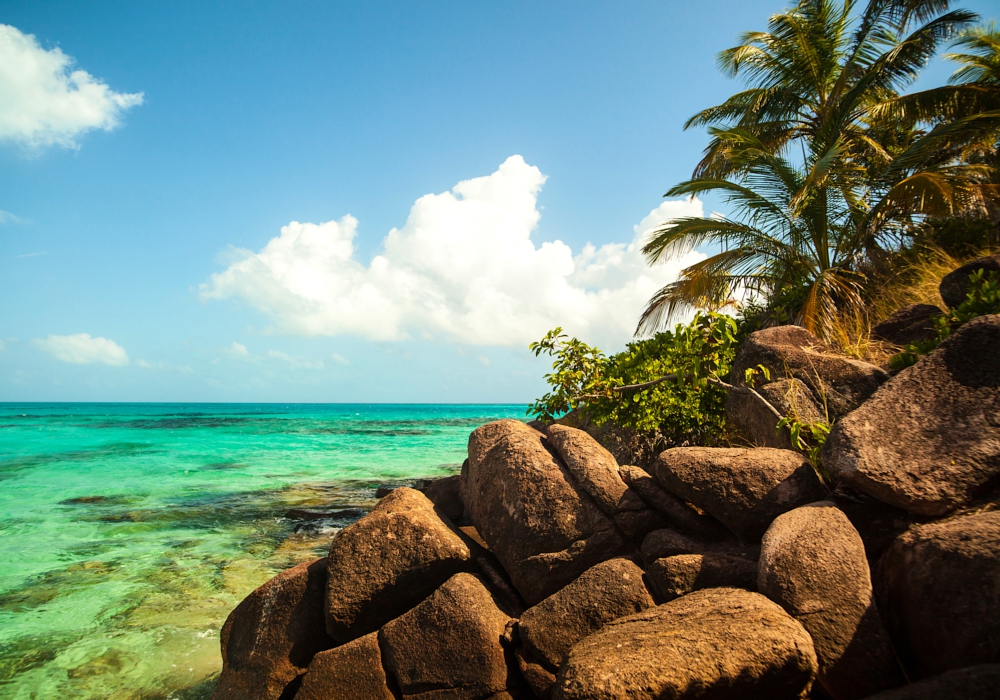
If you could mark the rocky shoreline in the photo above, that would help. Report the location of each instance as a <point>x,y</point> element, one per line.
<point>547,569</point>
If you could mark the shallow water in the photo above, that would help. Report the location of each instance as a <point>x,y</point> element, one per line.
<point>129,531</point>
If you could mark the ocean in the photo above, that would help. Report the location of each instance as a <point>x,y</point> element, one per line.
<point>128,532</point>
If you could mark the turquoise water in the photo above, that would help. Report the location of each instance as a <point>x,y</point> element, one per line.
<point>129,531</point>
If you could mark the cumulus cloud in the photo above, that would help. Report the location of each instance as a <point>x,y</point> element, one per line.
<point>44,101</point>
<point>463,267</point>
<point>81,349</point>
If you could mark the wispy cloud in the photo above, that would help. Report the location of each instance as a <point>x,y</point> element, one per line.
<point>31,255</point>
<point>238,351</point>
<point>463,268</point>
<point>340,359</point>
<point>295,362</point>
<point>81,349</point>
<point>7,218</point>
<point>163,366</point>
<point>44,101</point>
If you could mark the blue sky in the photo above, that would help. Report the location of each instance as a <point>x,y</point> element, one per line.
<point>164,236</point>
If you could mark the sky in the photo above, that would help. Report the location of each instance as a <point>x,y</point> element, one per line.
<point>339,202</point>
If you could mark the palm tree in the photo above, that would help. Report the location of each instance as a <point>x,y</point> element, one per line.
<point>964,117</point>
<point>805,163</point>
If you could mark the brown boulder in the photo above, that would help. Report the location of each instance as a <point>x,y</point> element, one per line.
<point>972,683</point>
<point>744,488</point>
<point>911,324</point>
<point>714,643</point>
<point>940,593</point>
<point>497,580</point>
<point>669,543</point>
<point>878,524</point>
<point>444,494</point>
<point>596,471</point>
<point>754,421</point>
<point>353,670</point>
<point>547,631</point>
<point>929,440</point>
<point>387,562</point>
<point>591,465</point>
<point>812,563</point>
<point>676,512</point>
<point>955,284</point>
<point>681,574</point>
<point>448,646</point>
<point>270,638</point>
<point>836,381</point>
<point>540,524</point>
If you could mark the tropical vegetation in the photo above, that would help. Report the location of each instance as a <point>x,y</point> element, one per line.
<point>848,198</point>
<point>672,383</point>
<point>830,172</point>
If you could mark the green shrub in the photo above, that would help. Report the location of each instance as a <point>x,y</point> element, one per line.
<point>685,407</point>
<point>982,297</point>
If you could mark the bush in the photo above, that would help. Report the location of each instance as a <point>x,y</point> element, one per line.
<point>982,297</point>
<point>683,408</point>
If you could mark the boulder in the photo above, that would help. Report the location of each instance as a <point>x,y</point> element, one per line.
<point>744,488</point>
<point>270,638</point>
<point>714,643</point>
<point>911,324</point>
<point>681,574</point>
<point>448,646</point>
<point>387,562</point>
<point>343,513</point>
<point>812,563</point>
<point>940,593</point>
<point>497,580</point>
<point>955,284</point>
<point>353,670</point>
<point>972,683</point>
<point>547,631</point>
<point>542,527</point>
<point>755,422</point>
<point>591,465</point>
<point>596,471</point>
<point>878,524</point>
<point>444,494</point>
<point>840,383</point>
<point>669,543</point>
<point>676,512</point>
<point>929,440</point>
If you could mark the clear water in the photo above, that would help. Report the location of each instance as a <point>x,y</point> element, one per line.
<point>129,531</point>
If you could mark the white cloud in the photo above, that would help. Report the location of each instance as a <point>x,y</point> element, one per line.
<point>6,217</point>
<point>295,362</point>
<point>2,346</point>
<point>484,361</point>
<point>81,349</point>
<point>238,350</point>
<point>340,359</point>
<point>163,366</point>
<point>43,101</point>
<point>463,268</point>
